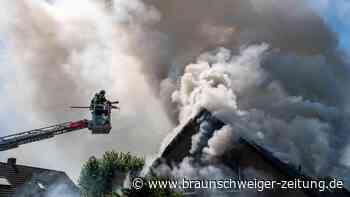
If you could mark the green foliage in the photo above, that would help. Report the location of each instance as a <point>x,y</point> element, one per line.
<point>96,177</point>
<point>121,161</point>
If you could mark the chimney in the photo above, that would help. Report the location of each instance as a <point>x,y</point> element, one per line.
<point>11,161</point>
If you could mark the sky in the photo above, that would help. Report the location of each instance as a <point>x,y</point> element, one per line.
<point>336,14</point>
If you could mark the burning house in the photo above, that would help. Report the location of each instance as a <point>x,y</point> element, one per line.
<point>247,160</point>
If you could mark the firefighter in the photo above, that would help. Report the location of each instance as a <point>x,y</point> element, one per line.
<point>99,98</point>
<point>97,108</point>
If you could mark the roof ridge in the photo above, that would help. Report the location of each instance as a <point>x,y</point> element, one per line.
<point>38,168</point>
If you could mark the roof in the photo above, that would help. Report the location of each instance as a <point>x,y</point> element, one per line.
<point>15,177</point>
<point>249,154</point>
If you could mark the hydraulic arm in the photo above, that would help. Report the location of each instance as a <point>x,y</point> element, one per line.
<point>14,140</point>
<point>100,124</point>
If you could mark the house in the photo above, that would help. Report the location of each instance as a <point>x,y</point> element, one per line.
<point>245,155</point>
<point>27,181</point>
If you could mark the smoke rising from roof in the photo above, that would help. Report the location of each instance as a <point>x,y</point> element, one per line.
<point>257,105</point>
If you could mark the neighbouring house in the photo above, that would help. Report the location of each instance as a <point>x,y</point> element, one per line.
<point>27,181</point>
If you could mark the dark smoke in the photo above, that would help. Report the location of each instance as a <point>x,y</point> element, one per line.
<point>188,28</point>
<point>197,25</point>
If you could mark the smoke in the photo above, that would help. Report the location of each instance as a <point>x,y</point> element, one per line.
<point>192,170</point>
<point>210,83</point>
<point>188,28</point>
<point>48,184</point>
<point>59,54</point>
<point>221,142</point>
<point>242,90</point>
<point>292,99</point>
<point>61,190</point>
<point>200,25</point>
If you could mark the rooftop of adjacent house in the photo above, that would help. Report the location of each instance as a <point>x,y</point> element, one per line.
<point>14,176</point>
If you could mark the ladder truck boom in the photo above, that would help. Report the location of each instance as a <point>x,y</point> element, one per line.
<point>14,140</point>
<point>99,124</point>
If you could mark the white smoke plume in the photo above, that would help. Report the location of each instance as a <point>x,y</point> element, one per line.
<point>212,81</point>
<point>189,169</point>
<point>61,190</point>
<point>221,142</point>
<point>48,184</point>
<point>59,54</point>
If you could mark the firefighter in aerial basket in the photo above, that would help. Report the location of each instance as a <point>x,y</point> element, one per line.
<point>99,107</point>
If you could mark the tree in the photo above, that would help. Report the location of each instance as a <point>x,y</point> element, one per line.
<point>96,177</point>
<point>91,182</point>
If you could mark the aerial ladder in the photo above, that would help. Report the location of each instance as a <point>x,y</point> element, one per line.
<point>100,124</point>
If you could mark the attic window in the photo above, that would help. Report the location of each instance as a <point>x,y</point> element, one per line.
<point>4,181</point>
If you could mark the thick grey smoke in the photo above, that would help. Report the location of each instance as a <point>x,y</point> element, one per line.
<point>189,28</point>
<point>194,26</point>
